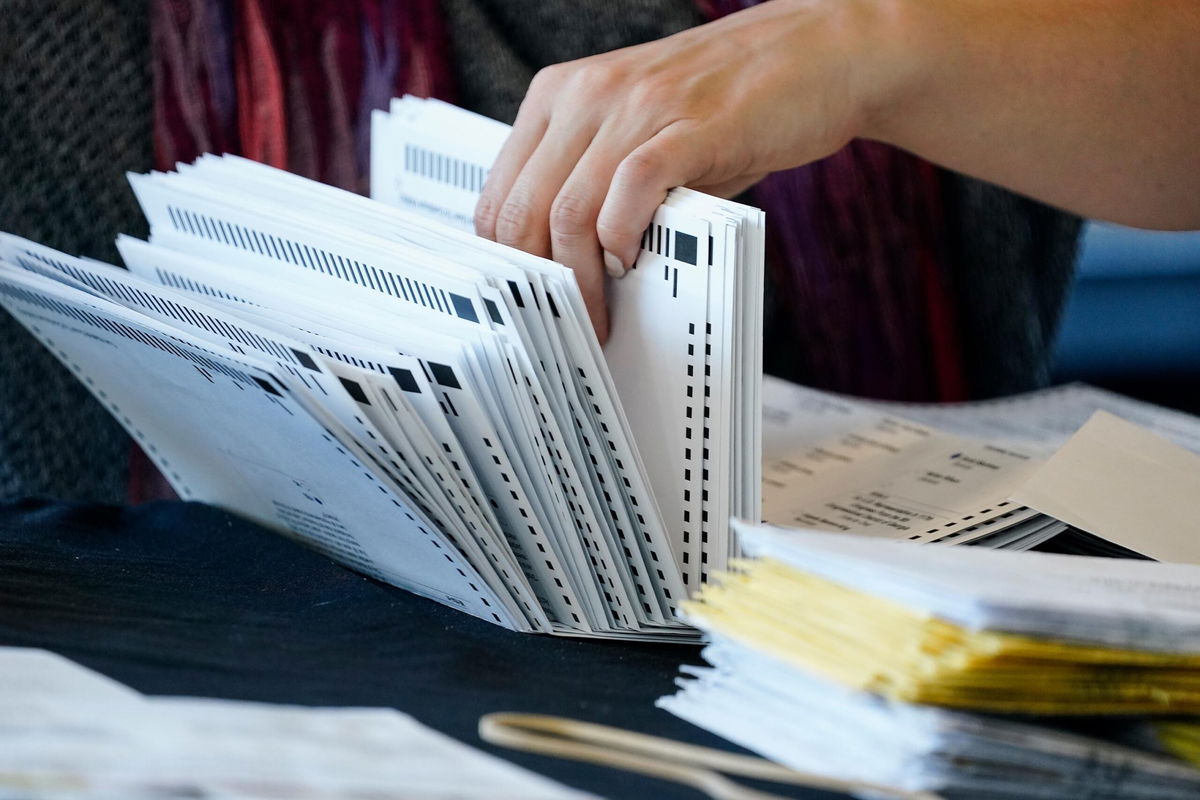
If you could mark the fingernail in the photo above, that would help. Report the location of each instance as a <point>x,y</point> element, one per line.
<point>613,265</point>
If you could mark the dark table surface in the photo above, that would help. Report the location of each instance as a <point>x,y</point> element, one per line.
<point>184,599</point>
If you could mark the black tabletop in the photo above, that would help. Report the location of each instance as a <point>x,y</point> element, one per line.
<point>184,599</point>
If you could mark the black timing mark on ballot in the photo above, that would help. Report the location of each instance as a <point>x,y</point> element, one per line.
<point>493,312</point>
<point>355,391</point>
<point>405,380</point>
<point>516,293</point>
<point>463,307</point>
<point>658,240</point>
<point>305,360</point>
<point>267,386</point>
<point>444,375</point>
<point>685,247</point>
<point>443,168</point>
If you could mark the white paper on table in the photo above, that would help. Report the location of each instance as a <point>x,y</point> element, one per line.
<point>67,733</point>
<point>1048,416</point>
<point>835,464</point>
<point>814,725</point>
<point>32,681</point>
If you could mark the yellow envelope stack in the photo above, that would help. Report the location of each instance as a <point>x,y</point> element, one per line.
<point>964,672</point>
<point>876,645</point>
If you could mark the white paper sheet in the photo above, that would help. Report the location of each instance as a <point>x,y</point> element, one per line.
<point>93,738</point>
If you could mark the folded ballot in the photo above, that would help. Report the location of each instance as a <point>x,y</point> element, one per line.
<point>965,672</point>
<point>425,406</point>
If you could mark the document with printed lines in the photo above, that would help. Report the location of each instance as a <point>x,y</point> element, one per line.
<point>425,406</point>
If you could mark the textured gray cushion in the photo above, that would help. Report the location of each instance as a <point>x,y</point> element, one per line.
<point>75,114</point>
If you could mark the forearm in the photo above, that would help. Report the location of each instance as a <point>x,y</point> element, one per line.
<point>1091,105</point>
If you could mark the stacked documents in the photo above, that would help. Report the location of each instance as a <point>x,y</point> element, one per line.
<point>685,349</point>
<point>1006,474</point>
<point>423,405</point>
<point>842,464</point>
<point>889,663</point>
<point>67,733</point>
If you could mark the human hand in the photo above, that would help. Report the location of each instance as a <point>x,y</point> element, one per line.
<point>598,142</point>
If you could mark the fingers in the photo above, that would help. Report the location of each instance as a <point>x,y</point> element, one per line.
<point>580,181</point>
<point>670,158</point>
<point>524,217</point>
<point>527,132</point>
<point>573,216</point>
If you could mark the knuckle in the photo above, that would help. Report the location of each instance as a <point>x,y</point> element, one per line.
<point>640,166</point>
<point>486,210</point>
<point>613,234</point>
<point>547,78</point>
<point>650,93</point>
<point>571,215</point>
<point>598,77</point>
<point>514,220</point>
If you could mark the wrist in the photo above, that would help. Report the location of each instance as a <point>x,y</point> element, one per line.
<point>892,53</point>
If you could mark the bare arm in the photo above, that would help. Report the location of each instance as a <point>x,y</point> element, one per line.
<point>1092,105</point>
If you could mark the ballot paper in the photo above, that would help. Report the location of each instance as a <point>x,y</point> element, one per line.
<point>993,473</point>
<point>1045,418</point>
<point>1140,605</point>
<point>841,464</point>
<point>427,407</point>
<point>67,732</point>
<point>872,661</point>
<point>686,321</point>
<point>817,726</point>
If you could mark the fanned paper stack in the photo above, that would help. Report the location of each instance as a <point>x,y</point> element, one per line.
<point>953,670</point>
<point>425,406</point>
<point>685,348</point>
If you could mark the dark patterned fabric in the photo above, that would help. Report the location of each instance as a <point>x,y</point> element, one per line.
<point>74,116</point>
<point>1014,267</point>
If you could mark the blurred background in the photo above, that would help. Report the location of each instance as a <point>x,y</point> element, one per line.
<point>887,276</point>
<point>1132,321</point>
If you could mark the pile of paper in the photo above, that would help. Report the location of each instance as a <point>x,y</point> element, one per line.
<point>685,349</point>
<point>1006,474</point>
<point>1041,419</point>
<point>890,663</point>
<point>425,406</point>
<point>842,464</point>
<point>67,732</point>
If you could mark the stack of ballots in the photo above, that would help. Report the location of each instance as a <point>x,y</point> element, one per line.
<point>965,672</point>
<point>685,349</point>
<point>425,406</point>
